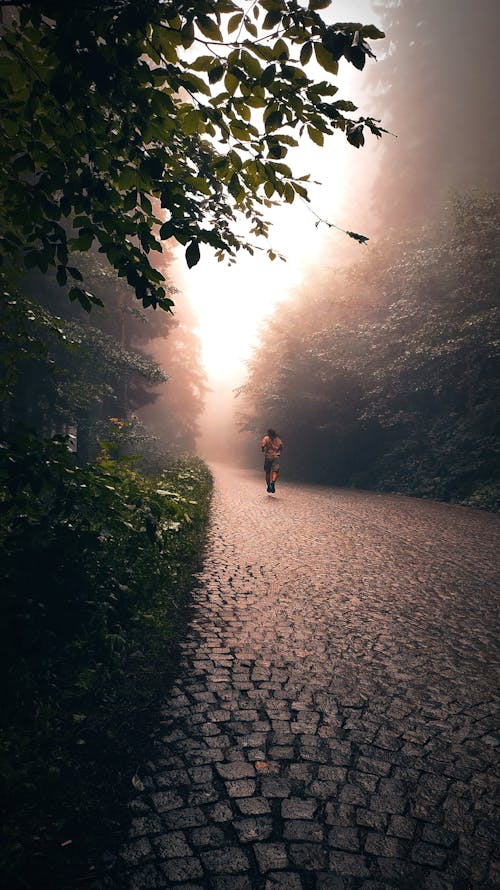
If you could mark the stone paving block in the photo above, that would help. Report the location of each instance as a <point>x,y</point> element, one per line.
<point>401,826</point>
<point>202,794</point>
<point>388,803</point>
<point>303,830</point>
<point>270,856</point>
<point>329,881</point>
<point>172,845</point>
<point>310,857</point>
<point>236,770</point>
<point>350,864</point>
<point>164,801</point>
<point>232,882</point>
<point>266,768</point>
<point>436,880</point>
<point>302,771</point>
<point>182,869</point>
<point>428,854</point>
<point>332,773</point>
<point>275,787</point>
<point>253,806</point>
<point>368,819</point>
<point>340,814</point>
<point>401,872</point>
<point>281,752</point>
<point>226,861</point>
<point>241,788</point>
<point>145,825</point>
<point>253,829</point>
<point>208,836</point>
<point>380,845</point>
<point>363,780</point>
<point>184,818</point>
<point>220,812</point>
<point>201,775</point>
<point>139,805</point>
<point>352,795</point>
<point>296,808</point>
<point>146,878</point>
<point>171,778</point>
<point>342,838</point>
<point>322,789</point>
<point>434,834</point>
<point>284,880</point>
<point>136,851</point>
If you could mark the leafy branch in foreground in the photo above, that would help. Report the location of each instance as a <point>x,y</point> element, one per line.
<point>116,132</point>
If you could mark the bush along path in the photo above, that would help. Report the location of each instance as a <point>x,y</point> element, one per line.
<point>97,561</point>
<point>332,725</point>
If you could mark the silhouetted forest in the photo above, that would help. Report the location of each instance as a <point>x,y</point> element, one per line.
<point>90,376</point>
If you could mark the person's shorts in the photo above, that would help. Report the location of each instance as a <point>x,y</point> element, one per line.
<point>271,463</point>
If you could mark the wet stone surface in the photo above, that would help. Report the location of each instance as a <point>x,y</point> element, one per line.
<point>333,723</point>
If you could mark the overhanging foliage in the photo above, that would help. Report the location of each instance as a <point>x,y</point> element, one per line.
<point>127,124</point>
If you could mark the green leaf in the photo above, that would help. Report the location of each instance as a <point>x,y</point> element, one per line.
<point>251,64</point>
<point>355,136</point>
<point>281,51</point>
<point>371,32</point>
<point>306,52</point>
<point>192,254</point>
<point>271,20</point>
<point>209,28</point>
<point>274,121</point>
<point>234,22</point>
<point>325,59</point>
<point>268,75</point>
<point>231,83</point>
<point>362,239</point>
<point>250,27</point>
<point>192,121</point>
<point>316,136</point>
<point>216,73</point>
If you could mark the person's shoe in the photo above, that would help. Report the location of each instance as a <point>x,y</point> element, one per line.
<point>269,488</point>
<point>273,490</point>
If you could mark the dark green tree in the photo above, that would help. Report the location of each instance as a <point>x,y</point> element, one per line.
<point>127,124</point>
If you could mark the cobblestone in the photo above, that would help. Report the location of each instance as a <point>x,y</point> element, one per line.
<point>333,721</point>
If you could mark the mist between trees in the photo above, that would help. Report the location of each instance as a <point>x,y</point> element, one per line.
<point>382,370</point>
<point>390,379</point>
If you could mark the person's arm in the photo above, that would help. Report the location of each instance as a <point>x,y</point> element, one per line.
<point>263,444</point>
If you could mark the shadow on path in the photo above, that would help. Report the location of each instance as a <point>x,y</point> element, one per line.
<point>332,724</point>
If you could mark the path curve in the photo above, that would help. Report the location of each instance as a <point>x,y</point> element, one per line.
<point>333,720</point>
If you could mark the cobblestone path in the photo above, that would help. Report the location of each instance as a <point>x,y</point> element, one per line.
<point>333,720</point>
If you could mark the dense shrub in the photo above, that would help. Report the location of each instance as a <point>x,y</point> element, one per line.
<point>96,560</point>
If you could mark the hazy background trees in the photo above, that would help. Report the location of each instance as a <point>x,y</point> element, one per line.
<point>388,377</point>
<point>382,371</point>
<point>436,87</point>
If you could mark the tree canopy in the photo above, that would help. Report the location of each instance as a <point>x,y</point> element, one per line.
<point>126,124</point>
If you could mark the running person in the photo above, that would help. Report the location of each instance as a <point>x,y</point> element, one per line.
<point>272,446</point>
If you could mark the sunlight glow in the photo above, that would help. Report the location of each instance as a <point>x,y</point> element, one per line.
<point>231,303</point>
